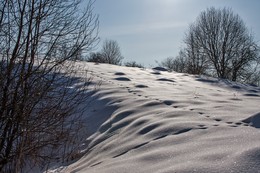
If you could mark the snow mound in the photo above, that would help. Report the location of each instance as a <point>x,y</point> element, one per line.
<point>143,121</point>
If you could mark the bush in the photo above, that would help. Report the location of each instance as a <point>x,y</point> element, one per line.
<point>133,64</point>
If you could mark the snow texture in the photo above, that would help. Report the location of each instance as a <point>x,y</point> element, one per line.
<point>151,120</point>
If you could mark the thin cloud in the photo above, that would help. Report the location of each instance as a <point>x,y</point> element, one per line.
<point>142,28</point>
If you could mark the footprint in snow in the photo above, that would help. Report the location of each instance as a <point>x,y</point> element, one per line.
<point>156,73</point>
<point>119,74</point>
<point>252,95</point>
<point>165,80</point>
<point>122,79</point>
<point>141,86</point>
<point>168,102</point>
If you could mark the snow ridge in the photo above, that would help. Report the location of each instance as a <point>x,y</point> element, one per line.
<point>148,120</point>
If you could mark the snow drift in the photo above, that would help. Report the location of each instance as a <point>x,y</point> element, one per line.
<point>147,120</point>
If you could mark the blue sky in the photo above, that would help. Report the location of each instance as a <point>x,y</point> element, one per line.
<point>152,30</point>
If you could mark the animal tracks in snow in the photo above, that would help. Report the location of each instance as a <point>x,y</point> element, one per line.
<point>137,90</point>
<point>142,90</point>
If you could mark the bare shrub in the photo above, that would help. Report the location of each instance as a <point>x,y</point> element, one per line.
<point>177,64</point>
<point>41,94</point>
<point>133,64</point>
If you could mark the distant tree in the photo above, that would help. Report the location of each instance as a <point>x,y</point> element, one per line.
<point>133,64</point>
<point>177,64</point>
<point>96,57</point>
<point>111,53</point>
<point>219,38</point>
<point>168,63</point>
<point>39,114</point>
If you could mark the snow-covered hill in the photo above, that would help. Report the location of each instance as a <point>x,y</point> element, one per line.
<point>146,120</point>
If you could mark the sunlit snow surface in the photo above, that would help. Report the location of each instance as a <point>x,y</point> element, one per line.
<point>151,121</point>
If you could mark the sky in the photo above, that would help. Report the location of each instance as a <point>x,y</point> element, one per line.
<point>152,30</point>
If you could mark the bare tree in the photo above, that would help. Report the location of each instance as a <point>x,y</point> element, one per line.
<point>171,64</point>
<point>221,38</point>
<point>251,74</point>
<point>39,88</point>
<point>96,57</point>
<point>111,53</point>
<point>196,59</point>
<point>177,64</point>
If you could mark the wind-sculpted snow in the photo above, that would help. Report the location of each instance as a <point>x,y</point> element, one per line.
<point>253,120</point>
<point>150,120</point>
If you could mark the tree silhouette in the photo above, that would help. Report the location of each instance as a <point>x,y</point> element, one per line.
<point>39,43</point>
<point>220,39</point>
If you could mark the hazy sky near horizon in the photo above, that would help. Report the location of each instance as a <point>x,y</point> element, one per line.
<point>152,30</point>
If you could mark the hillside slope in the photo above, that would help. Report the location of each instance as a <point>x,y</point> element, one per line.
<point>145,120</point>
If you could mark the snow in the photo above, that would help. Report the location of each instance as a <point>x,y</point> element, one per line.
<point>149,120</point>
